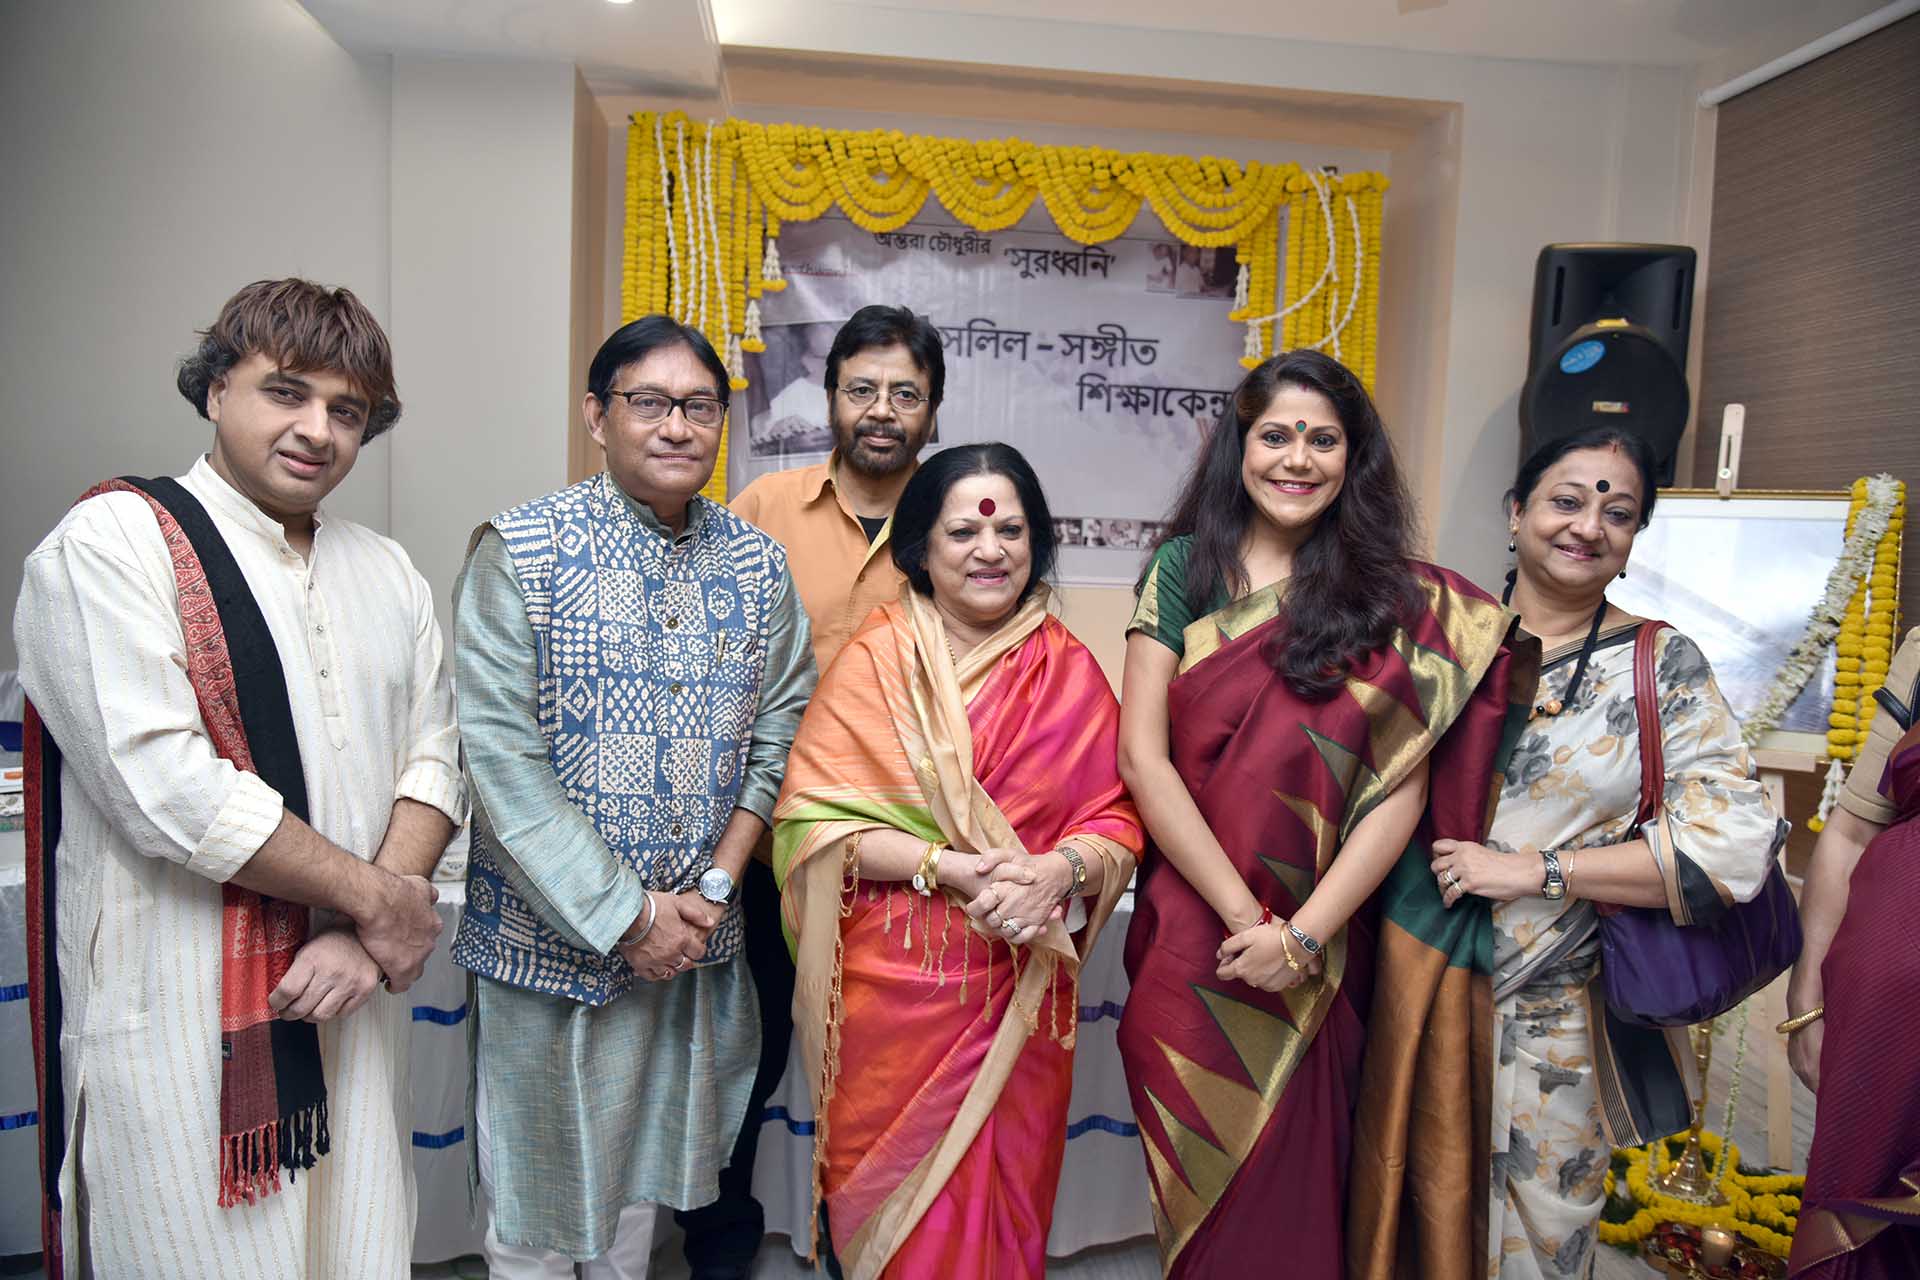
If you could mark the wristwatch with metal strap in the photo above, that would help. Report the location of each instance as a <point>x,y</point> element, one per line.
<point>1079,865</point>
<point>1555,887</point>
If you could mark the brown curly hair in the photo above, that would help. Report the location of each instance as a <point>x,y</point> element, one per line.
<point>303,327</point>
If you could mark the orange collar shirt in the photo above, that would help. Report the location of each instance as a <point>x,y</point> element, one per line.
<point>842,577</point>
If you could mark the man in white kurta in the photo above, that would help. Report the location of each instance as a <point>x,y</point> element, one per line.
<point>155,822</point>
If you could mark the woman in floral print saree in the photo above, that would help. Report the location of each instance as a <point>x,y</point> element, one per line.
<point>1562,844</point>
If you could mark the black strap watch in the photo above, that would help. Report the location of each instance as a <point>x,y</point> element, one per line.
<point>1555,887</point>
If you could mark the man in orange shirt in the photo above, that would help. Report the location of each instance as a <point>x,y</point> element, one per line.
<point>885,377</point>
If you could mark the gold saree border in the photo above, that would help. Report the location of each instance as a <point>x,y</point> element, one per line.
<point>939,741</point>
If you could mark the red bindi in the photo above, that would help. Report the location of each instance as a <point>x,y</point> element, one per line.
<point>986,506</point>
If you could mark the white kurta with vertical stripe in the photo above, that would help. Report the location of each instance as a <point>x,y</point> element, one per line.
<point>154,822</point>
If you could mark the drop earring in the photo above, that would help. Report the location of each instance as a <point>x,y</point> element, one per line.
<point>1512,545</point>
<point>1623,573</point>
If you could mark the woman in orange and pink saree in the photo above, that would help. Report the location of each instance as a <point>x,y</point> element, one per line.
<point>1307,709</point>
<point>951,838</point>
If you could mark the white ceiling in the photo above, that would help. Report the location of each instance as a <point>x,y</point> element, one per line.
<point>1658,32</point>
<point>663,46</point>
<point>669,46</point>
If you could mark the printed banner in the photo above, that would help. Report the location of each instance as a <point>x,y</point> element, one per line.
<point>1103,364</point>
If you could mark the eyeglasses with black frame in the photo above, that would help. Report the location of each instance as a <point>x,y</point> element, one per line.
<point>904,399</point>
<point>654,406</point>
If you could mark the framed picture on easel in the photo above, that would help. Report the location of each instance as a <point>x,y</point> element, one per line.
<point>1741,575</point>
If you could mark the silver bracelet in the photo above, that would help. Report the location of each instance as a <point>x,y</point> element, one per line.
<point>653,913</point>
<point>1305,939</point>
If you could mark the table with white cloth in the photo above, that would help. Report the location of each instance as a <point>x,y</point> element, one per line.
<point>1103,1183</point>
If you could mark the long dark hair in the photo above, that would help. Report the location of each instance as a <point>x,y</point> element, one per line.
<point>1351,583</point>
<point>926,493</point>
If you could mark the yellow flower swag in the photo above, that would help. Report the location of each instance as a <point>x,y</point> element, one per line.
<point>705,203</point>
<point>1864,648</point>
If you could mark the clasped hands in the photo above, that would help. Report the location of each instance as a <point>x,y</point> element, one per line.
<point>1256,954</point>
<point>1006,887</point>
<point>677,941</point>
<point>337,968</point>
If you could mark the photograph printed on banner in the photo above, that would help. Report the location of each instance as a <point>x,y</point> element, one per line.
<point>1106,365</point>
<point>1189,272</point>
<point>1108,533</point>
<point>786,399</point>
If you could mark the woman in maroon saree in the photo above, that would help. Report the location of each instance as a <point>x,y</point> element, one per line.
<point>1855,1039</point>
<point>1306,708</point>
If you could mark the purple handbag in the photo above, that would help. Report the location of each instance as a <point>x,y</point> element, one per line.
<point>1661,974</point>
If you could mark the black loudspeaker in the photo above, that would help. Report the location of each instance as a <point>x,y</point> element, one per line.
<point>1609,344</point>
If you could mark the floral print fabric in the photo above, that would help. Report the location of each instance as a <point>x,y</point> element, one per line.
<point>1573,783</point>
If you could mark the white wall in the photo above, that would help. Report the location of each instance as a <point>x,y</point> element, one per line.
<point>1548,152</point>
<point>482,236</point>
<point>155,159</point>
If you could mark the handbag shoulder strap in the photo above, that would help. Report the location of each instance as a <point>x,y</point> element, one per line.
<point>1646,706</point>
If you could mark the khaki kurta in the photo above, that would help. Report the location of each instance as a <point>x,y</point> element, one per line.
<point>154,822</point>
<point>1861,797</point>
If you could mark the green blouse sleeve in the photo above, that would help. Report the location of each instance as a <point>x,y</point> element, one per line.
<point>1163,612</point>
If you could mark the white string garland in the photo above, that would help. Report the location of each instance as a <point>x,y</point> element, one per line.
<point>1823,626</point>
<point>666,206</point>
<point>696,278</point>
<point>1326,214</point>
<point>712,230</point>
<point>1745,1011</point>
<point>1359,264</point>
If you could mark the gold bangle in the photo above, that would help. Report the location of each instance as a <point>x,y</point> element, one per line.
<point>1286,951</point>
<point>926,880</point>
<point>1806,1019</point>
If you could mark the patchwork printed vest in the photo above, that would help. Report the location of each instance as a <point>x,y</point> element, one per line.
<point>651,656</point>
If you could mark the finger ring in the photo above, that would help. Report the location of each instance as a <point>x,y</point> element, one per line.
<point>1453,880</point>
<point>1010,926</point>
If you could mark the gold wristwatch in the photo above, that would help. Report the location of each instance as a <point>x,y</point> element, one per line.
<point>1079,865</point>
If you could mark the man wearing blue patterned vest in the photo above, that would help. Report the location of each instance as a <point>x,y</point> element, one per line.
<point>631,661</point>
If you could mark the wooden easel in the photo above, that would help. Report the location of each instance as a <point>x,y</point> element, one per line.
<point>1777,755</point>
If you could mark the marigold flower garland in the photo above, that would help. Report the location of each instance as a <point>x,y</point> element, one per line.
<point>1865,645</point>
<point>1765,1208</point>
<point>1856,615</point>
<point>705,204</point>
